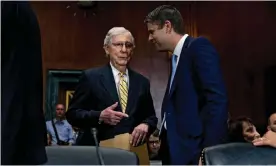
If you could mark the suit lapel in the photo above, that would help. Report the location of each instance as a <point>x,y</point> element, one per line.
<point>167,92</point>
<point>165,99</point>
<point>183,53</point>
<point>107,79</point>
<point>133,92</point>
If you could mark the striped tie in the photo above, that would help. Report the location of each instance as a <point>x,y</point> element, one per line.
<point>123,91</point>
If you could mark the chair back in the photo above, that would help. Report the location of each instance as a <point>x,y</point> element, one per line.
<point>239,154</point>
<point>86,155</point>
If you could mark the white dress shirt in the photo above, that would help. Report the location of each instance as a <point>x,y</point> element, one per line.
<point>177,52</point>
<point>116,76</point>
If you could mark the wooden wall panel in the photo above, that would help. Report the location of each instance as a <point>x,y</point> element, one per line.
<point>146,59</point>
<point>72,41</point>
<point>242,32</point>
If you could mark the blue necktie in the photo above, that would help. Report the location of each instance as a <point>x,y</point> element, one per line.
<point>174,60</point>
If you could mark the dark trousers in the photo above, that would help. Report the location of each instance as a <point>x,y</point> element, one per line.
<point>165,152</point>
<point>164,148</point>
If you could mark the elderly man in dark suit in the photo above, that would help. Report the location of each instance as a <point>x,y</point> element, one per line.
<point>113,98</point>
<point>23,130</point>
<point>194,107</point>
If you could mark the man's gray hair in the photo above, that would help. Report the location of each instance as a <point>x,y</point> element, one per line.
<point>114,32</point>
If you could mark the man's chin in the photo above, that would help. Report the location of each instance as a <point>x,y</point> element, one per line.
<point>274,130</point>
<point>161,49</point>
<point>123,63</point>
<point>60,116</point>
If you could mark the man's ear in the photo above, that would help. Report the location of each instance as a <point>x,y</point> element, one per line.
<point>268,128</point>
<point>168,26</point>
<point>106,50</point>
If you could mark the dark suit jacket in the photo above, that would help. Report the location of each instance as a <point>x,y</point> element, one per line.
<point>22,121</point>
<point>195,107</point>
<point>96,91</point>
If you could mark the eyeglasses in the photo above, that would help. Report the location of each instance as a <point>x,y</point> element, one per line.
<point>120,45</point>
<point>154,142</point>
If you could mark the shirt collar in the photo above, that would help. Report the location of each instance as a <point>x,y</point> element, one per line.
<point>116,71</point>
<point>178,49</point>
<point>60,121</point>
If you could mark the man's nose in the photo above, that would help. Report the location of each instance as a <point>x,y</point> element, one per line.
<point>155,144</point>
<point>150,38</point>
<point>123,48</point>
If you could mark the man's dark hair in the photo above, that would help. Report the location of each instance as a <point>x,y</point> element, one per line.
<point>235,129</point>
<point>166,12</point>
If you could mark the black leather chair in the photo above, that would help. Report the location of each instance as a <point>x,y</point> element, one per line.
<point>86,155</point>
<point>239,154</point>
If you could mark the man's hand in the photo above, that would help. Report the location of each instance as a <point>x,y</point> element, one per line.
<point>109,116</point>
<point>200,162</point>
<point>49,140</point>
<point>268,139</point>
<point>139,134</point>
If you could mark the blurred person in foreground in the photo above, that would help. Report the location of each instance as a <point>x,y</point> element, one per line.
<point>23,130</point>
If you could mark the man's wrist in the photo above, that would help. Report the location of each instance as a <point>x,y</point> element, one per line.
<point>146,123</point>
<point>100,121</point>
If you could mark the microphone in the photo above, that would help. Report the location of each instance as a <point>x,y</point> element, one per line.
<point>99,154</point>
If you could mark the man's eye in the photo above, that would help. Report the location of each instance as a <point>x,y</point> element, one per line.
<point>129,45</point>
<point>151,32</point>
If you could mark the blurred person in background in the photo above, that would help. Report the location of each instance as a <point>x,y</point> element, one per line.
<point>269,139</point>
<point>242,129</point>
<point>154,145</point>
<point>64,134</point>
<point>272,122</point>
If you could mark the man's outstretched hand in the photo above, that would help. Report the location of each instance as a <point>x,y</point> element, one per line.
<point>110,116</point>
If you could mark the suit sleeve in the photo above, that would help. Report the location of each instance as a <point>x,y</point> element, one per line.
<point>79,114</point>
<point>151,118</point>
<point>213,111</point>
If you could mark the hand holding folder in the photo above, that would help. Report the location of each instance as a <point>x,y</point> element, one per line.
<point>122,141</point>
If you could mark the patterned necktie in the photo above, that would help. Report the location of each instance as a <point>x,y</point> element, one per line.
<point>174,61</point>
<point>123,90</point>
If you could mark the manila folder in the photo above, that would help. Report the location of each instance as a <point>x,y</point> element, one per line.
<point>122,142</point>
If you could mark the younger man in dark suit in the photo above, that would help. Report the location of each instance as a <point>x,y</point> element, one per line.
<point>194,107</point>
